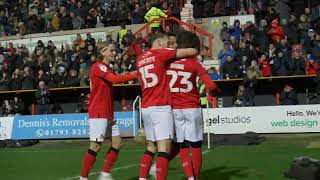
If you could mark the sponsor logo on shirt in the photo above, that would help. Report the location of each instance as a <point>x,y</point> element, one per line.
<point>103,67</point>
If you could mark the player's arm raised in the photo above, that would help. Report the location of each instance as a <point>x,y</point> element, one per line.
<point>115,79</point>
<point>186,52</point>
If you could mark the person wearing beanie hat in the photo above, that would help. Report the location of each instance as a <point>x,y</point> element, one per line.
<point>276,32</point>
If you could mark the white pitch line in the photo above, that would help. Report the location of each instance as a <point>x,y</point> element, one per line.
<point>93,173</point>
<point>119,168</point>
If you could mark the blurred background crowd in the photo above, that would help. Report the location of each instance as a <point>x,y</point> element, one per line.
<point>283,40</point>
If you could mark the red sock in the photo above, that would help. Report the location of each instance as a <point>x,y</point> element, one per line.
<point>174,151</point>
<point>186,162</point>
<point>162,165</point>
<point>88,162</point>
<point>196,161</point>
<point>110,159</point>
<point>145,164</point>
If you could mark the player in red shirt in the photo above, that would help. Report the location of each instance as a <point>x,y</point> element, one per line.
<point>156,103</point>
<point>186,106</point>
<point>101,112</point>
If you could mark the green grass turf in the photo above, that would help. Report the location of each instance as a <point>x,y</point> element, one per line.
<point>55,160</point>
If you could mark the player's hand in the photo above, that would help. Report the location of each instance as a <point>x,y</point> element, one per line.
<point>112,122</point>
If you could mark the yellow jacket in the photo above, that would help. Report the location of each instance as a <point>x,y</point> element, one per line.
<point>154,13</point>
<point>121,34</point>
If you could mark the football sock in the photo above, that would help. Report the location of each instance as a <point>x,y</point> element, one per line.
<point>88,162</point>
<point>110,159</point>
<point>145,164</point>
<point>196,161</point>
<point>174,151</point>
<point>186,162</point>
<point>162,164</point>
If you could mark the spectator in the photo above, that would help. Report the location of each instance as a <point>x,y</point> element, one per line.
<point>6,108</point>
<point>27,79</point>
<point>276,32</point>
<point>90,41</point>
<point>213,73</point>
<point>280,65</point>
<point>53,78</point>
<point>72,79</point>
<point>77,21</point>
<point>42,97</point>
<point>315,51</point>
<point>235,30</point>
<point>297,64</point>
<point>260,38</point>
<point>66,22</point>
<point>17,106</point>
<point>291,30</point>
<point>224,35</point>
<point>122,33</point>
<point>312,67</point>
<point>42,77</point>
<point>303,27</point>
<point>264,65</point>
<point>309,41</point>
<point>288,96</point>
<point>16,83</point>
<point>56,109</point>
<point>239,99</point>
<point>154,13</point>
<point>244,54</point>
<point>230,69</point>
<point>4,81</point>
<point>250,84</point>
<point>225,52</point>
<point>138,15</point>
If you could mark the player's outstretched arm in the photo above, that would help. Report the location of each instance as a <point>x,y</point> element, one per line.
<point>210,85</point>
<point>114,79</point>
<point>186,52</point>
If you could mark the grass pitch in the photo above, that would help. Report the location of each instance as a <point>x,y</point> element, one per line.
<point>61,160</point>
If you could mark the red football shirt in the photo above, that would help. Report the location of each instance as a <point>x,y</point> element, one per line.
<point>101,98</point>
<point>151,67</point>
<point>182,76</point>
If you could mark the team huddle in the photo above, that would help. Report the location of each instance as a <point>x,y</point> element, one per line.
<point>171,110</point>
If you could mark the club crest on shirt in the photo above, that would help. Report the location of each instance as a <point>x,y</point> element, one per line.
<point>103,68</point>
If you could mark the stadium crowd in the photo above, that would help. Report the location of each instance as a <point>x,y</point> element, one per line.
<point>282,41</point>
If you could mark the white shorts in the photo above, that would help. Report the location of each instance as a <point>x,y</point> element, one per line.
<point>158,123</point>
<point>100,128</point>
<point>188,124</point>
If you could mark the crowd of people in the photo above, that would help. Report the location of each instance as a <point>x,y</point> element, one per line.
<point>20,17</point>
<point>278,43</point>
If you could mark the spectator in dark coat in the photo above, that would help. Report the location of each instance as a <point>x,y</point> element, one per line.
<point>15,83</point>
<point>297,64</point>
<point>53,78</point>
<point>235,30</point>
<point>230,69</point>
<point>291,30</point>
<point>288,96</point>
<point>72,79</point>
<point>280,65</point>
<point>4,82</point>
<point>224,35</point>
<point>309,41</point>
<point>66,22</point>
<point>315,51</point>
<point>42,97</point>
<point>138,15</point>
<point>17,106</point>
<point>27,79</point>
<point>90,41</point>
<point>260,38</point>
<point>244,52</point>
